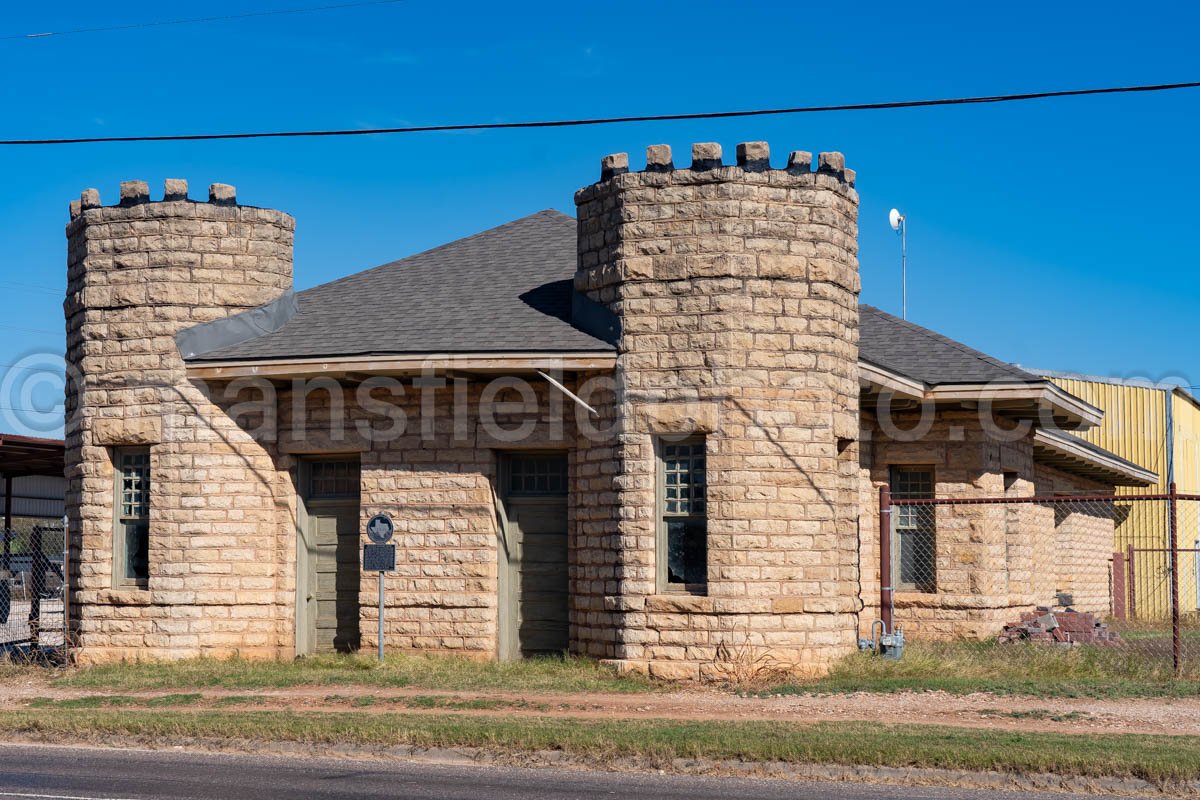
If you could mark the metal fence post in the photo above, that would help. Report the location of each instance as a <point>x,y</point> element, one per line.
<point>8,521</point>
<point>885,559</point>
<point>1173,545</point>
<point>1132,583</point>
<point>1118,585</point>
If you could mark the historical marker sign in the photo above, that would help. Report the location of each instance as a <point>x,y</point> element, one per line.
<point>380,529</point>
<point>379,557</point>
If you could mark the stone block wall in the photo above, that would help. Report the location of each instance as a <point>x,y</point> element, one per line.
<point>437,479</point>
<point>984,560</point>
<point>1083,540</point>
<point>137,273</point>
<point>736,287</point>
<point>992,560</point>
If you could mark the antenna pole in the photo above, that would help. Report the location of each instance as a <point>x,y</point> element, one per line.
<point>904,268</point>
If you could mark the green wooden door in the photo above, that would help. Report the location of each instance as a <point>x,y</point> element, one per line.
<point>534,581</point>
<point>335,578</point>
<point>327,555</point>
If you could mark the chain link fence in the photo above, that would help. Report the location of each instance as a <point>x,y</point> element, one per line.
<point>32,588</point>
<point>1114,574</point>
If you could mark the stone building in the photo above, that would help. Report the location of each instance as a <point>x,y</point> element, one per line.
<point>634,435</point>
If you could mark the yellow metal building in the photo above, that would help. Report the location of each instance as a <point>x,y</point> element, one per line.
<point>1156,426</point>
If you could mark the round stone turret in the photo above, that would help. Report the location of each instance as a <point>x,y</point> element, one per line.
<point>736,290</point>
<point>138,272</point>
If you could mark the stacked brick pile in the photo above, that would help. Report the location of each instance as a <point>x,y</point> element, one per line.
<point>1061,627</point>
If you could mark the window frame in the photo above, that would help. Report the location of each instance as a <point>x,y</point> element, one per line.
<point>664,585</point>
<point>309,480</point>
<point>510,472</point>
<point>121,578</point>
<point>894,471</point>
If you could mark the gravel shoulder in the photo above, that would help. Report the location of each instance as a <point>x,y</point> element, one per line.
<point>1171,716</point>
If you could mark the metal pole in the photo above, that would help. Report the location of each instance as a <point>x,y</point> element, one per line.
<point>1173,544</point>
<point>8,514</point>
<point>1132,583</point>
<point>381,617</point>
<point>903,268</point>
<point>885,559</point>
<point>1118,585</point>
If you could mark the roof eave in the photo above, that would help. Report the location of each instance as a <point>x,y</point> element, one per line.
<point>1074,456</point>
<point>410,364</point>
<point>1031,397</point>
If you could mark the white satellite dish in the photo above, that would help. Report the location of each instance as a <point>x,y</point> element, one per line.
<point>895,218</point>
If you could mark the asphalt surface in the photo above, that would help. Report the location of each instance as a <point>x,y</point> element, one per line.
<point>83,773</point>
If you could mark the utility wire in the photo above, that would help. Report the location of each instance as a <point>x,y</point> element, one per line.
<point>29,287</point>
<point>29,330</point>
<point>193,20</point>
<point>567,123</point>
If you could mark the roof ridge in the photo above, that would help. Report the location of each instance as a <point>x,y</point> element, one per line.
<point>546,213</point>
<point>960,346</point>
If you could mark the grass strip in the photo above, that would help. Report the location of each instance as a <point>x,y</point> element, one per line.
<point>1163,760</point>
<point>964,667</point>
<point>426,672</point>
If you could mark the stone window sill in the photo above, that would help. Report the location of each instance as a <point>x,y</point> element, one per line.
<point>679,602</point>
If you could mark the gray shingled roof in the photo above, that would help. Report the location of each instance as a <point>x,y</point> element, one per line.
<point>922,355</point>
<point>507,289</point>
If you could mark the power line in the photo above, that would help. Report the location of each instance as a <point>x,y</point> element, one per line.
<point>566,123</point>
<point>193,20</point>
<point>28,330</point>
<point>19,368</point>
<point>30,287</point>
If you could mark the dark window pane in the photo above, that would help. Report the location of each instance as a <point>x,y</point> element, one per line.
<point>137,551</point>
<point>687,551</point>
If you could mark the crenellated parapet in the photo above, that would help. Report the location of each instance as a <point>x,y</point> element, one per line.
<point>746,219</point>
<point>752,157</point>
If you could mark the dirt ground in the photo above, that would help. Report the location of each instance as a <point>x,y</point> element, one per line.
<point>1177,716</point>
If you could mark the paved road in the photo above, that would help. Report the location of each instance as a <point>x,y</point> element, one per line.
<point>70,773</point>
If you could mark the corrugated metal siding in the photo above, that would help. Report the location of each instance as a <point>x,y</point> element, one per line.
<point>1187,478</point>
<point>36,496</point>
<point>1134,428</point>
<point>1134,425</point>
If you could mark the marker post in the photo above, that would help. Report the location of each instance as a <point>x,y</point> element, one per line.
<point>380,557</point>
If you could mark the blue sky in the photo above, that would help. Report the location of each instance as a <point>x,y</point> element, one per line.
<point>1052,233</point>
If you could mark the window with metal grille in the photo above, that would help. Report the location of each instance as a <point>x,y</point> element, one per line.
<point>915,544</point>
<point>683,527</point>
<point>537,474</point>
<point>131,539</point>
<point>333,478</point>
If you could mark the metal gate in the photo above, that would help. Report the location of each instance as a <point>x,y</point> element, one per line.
<point>33,590</point>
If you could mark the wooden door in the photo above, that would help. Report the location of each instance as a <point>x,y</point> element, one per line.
<point>327,556</point>
<point>335,578</point>
<point>534,581</point>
